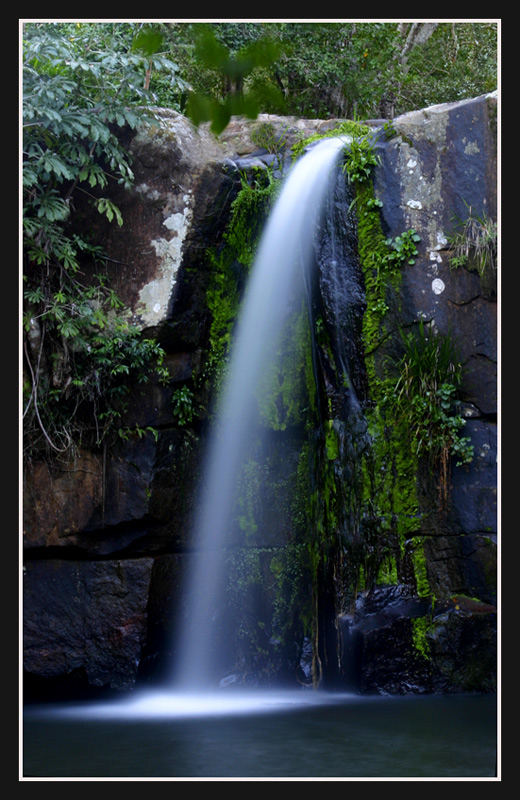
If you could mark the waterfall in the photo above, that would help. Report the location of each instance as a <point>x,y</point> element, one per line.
<point>276,285</point>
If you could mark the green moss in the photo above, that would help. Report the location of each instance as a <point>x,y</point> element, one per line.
<point>420,628</point>
<point>250,489</point>
<point>388,571</point>
<point>248,212</point>
<point>381,260</point>
<point>230,264</point>
<point>389,505</point>
<point>291,606</point>
<point>346,128</point>
<point>331,441</point>
<point>222,298</point>
<point>419,567</point>
<point>269,603</point>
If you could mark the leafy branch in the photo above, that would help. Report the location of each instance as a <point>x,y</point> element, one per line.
<point>235,69</point>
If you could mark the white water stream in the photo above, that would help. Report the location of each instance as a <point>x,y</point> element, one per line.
<point>276,284</point>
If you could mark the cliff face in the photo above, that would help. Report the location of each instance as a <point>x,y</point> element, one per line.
<point>105,533</point>
<point>437,173</point>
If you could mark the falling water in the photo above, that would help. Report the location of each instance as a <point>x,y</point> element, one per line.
<point>219,733</point>
<point>276,285</point>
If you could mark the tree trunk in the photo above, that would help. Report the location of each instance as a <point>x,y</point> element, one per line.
<point>417,33</point>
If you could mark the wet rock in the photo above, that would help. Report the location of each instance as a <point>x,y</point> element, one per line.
<point>242,136</point>
<point>88,617</point>
<point>390,663</point>
<point>463,563</point>
<point>379,651</point>
<point>463,646</point>
<point>474,489</point>
<point>93,504</point>
<point>58,504</point>
<point>160,654</point>
<point>441,165</point>
<point>402,644</point>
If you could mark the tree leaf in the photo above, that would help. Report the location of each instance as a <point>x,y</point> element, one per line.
<point>148,41</point>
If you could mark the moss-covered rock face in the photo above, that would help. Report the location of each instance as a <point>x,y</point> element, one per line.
<point>430,514</point>
<point>345,569</point>
<point>388,511</point>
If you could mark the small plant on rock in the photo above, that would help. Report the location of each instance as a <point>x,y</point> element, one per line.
<point>425,393</point>
<point>403,248</point>
<point>183,405</point>
<point>360,160</point>
<point>475,244</point>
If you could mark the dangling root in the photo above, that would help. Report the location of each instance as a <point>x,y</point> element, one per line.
<point>444,479</point>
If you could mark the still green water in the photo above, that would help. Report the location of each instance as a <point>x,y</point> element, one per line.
<point>345,737</point>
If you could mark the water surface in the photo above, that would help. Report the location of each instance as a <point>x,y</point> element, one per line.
<point>284,736</point>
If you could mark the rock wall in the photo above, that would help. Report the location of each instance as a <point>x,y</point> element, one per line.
<point>104,534</point>
<point>437,171</point>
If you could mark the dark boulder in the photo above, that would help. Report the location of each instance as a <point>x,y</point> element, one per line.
<point>87,617</point>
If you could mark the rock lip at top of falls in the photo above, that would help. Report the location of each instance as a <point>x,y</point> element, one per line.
<point>179,167</point>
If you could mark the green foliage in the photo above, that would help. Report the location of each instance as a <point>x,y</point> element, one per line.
<point>381,261</point>
<point>352,70</point>
<point>389,130</point>
<point>331,441</point>
<point>264,136</point>
<point>77,90</point>
<point>403,248</point>
<point>360,160</point>
<point>420,628</point>
<point>388,500</point>
<point>235,68</point>
<point>222,298</point>
<point>383,503</point>
<point>81,83</point>
<point>334,69</point>
<point>426,394</point>
<point>183,405</point>
<point>413,412</point>
<point>82,356</point>
<point>346,128</point>
<point>458,61</point>
<point>419,565</point>
<point>248,213</point>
